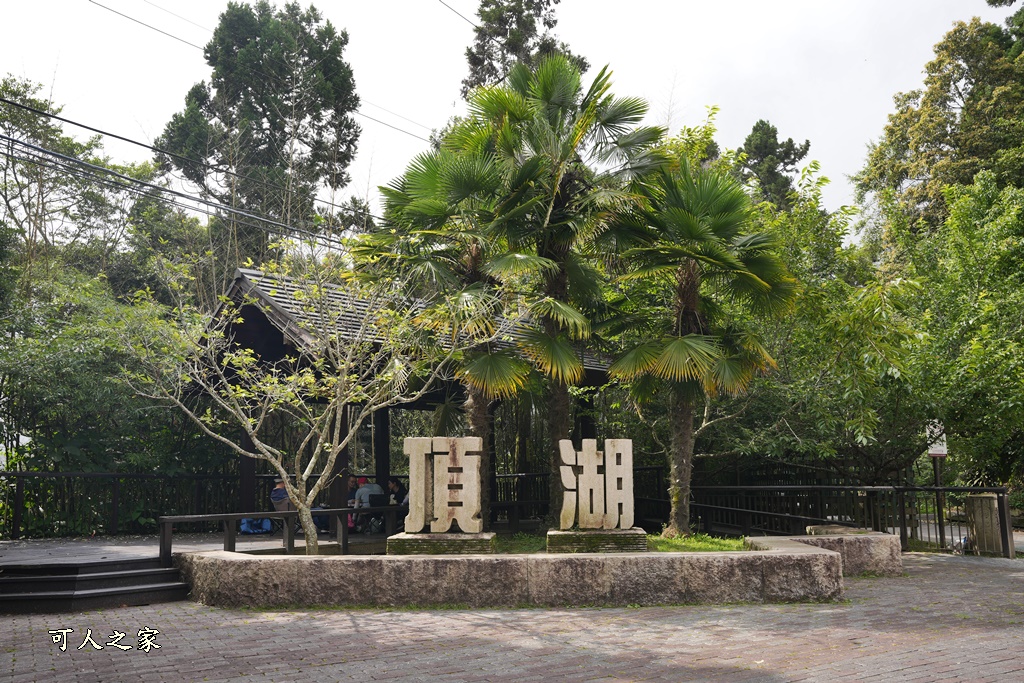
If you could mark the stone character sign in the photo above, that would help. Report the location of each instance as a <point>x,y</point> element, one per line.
<point>598,485</point>
<point>444,483</point>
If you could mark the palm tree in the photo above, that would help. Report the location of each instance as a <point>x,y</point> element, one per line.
<point>438,214</point>
<point>706,266</point>
<point>566,156</point>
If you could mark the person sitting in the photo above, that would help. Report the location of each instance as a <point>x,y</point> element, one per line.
<point>279,499</point>
<point>366,489</point>
<point>279,496</point>
<point>353,486</point>
<point>399,494</point>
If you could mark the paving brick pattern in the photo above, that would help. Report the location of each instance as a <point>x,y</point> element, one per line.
<point>949,618</point>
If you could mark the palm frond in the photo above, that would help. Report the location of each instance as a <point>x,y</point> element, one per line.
<point>730,373</point>
<point>567,317</point>
<point>447,418</point>
<point>516,265</point>
<point>637,361</point>
<point>497,375</point>
<point>554,356</point>
<point>469,175</point>
<point>620,114</point>
<point>686,358</point>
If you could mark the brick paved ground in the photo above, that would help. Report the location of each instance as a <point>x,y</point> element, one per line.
<point>950,618</point>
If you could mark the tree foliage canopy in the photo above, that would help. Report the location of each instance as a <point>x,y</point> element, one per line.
<point>512,31</point>
<point>273,126</point>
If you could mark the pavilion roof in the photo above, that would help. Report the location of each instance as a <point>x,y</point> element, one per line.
<point>289,311</point>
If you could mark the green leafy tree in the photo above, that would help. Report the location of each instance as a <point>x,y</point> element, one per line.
<point>8,274</point>
<point>966,118</point>
<point>708,264</point>
<point>854,385</point>
<point>63,406</point>
<point>512,31</point>
<point>48,206</point>
<point>973,267</point>
<point>771,162</point>
<point>273,127</point>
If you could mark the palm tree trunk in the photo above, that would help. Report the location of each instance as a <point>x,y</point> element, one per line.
<point>680,409</point>
<point>480,425</point>
<point>681,462</point>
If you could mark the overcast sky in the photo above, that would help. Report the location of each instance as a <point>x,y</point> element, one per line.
<point>823,70</point>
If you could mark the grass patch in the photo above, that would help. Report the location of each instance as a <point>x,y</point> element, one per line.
<point>519,543</point>
<point>525,543</point>
<point>694,543</point>
<point>915,545</point>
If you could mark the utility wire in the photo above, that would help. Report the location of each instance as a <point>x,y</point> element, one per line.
<point>99,172</point>
<point>82,174</point>
<point>418,137</point>
<point>468,21</point>
<point>41,112</point>
<point>180,40</point>
<point>186,20</point>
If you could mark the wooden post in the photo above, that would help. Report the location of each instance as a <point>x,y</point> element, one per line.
<point>247,478</point>
<point>337,491</point>
<point>19,506</point>
<point>289,535</point>
<point>486,512</point>
<point>341,521</point>
<point>165,543</point>
<point>901,497</point>
<point>1005,525</point>
<point>229,535</point>
<point>382,446</point>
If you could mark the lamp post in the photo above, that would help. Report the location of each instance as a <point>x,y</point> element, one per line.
<point>937,452</point>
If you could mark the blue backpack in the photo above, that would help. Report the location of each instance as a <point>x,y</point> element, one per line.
<point>255,526</point>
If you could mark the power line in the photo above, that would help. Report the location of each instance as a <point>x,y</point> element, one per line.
<point>83,174</point>
<point>100,172</point>
<point>399,116</point>
<point>180,40</point>
<point>365,116</point>
<point>419,137</point>
<point>164,9</point>
<point>154,148</point>
<point>468,21</point>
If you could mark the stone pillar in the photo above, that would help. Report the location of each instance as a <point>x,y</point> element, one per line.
<point>983,524</point>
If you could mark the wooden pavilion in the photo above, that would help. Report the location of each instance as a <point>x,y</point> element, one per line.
<point>274,322</point>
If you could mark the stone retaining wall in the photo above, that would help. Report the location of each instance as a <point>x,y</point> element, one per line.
<point>792,569</point>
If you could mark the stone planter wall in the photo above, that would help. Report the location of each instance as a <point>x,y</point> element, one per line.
<point>778,570</point>
<point>866,553</point>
